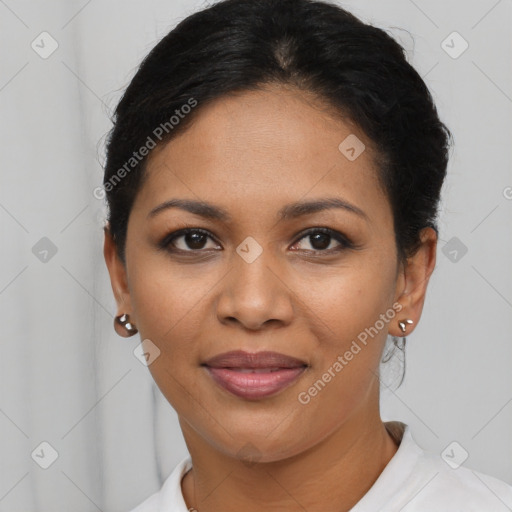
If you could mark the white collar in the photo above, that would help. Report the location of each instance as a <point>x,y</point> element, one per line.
<point>400,465</point>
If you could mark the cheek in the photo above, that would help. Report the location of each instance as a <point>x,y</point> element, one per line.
<point>346,300</point>
<point>165,297</point>
<point>350,339</point>
<point>349,314</point>
<point>166,305</point>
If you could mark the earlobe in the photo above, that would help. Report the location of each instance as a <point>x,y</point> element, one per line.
<point>413,283</point>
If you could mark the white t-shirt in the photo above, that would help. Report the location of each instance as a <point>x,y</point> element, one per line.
<point>413,481</point>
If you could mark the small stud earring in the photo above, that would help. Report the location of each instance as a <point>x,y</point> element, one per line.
<point>402,324</point>
<point>124,327</point>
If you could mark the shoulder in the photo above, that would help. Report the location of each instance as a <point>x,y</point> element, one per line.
<point>169,497</point>
<point>427,481</point>
<point>457,488</point>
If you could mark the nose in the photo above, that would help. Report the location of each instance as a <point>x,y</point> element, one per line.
<point>256,294</point>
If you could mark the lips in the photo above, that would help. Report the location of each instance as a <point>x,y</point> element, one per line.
<point>240,359</point>
<point>254,376</point>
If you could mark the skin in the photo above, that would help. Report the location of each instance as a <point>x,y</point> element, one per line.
<point>251,154</point>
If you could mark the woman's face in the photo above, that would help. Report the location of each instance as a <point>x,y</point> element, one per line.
<point>254,282</point>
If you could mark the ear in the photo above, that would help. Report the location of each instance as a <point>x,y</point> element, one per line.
<point>117,270</point>
<point>413,280</point>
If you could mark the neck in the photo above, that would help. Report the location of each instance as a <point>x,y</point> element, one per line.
<point>337,471</point>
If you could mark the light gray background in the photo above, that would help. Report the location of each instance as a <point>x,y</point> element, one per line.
<point>67,379</point>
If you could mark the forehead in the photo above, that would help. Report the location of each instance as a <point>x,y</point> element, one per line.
<point>264,147</point>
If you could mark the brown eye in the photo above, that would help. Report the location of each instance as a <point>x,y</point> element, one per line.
<point>188,240</point>
<point>324,240</point>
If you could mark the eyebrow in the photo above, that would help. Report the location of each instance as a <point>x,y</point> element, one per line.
<point>288,212</point>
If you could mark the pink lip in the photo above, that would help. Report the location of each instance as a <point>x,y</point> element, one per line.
<point>254,375</point>
<point>254,385</point>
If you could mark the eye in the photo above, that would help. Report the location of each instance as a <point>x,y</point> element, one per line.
<point>188,240</point>
<point>320,240</point>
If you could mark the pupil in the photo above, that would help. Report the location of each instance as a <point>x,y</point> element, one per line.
<point>195,240</point>
<point>323,238</point>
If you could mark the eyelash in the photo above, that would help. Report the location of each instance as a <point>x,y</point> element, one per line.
<point>345,243</point>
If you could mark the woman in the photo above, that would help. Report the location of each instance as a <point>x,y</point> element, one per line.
<point>273,176</point>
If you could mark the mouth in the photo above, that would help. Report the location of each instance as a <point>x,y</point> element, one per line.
<point>254,376</point>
